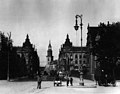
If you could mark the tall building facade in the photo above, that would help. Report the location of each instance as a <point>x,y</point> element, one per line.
<point>92,33</point>
<point>93,37</point>
<point>104,48</point>
<point>72,57</point>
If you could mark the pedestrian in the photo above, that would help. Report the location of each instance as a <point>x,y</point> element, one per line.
<point>67,80</point>
<point>71,81</point>
<point>39,82</point>
<point>97,75</point>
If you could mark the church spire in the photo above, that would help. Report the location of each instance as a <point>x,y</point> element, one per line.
<point>67,41</point>
<point>67,36</point>
<point>27,37</point>
<point>49,46</point>
<point>27,42</point>
<point>49,53</point>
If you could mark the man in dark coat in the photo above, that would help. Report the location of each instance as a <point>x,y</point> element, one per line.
<point>97,75</point>
<point>39,82</point>
<point>71,81</point>
<point>67,80</point>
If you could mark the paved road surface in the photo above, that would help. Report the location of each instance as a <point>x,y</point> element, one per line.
<point>29,87</point>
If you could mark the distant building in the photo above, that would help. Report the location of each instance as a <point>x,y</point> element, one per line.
<point>17,61</point>
<point>51,65</point>
<point>49,54</point>
<point>71,57</point>
<point>29,57</point>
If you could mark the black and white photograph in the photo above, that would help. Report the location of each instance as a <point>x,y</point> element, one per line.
<point>59,46</point>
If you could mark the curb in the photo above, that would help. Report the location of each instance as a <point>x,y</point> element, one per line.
<point>85,86</point>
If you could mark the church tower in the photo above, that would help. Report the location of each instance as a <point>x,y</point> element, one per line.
<point>49,54</point>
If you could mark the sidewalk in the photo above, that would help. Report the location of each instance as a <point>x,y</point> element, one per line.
<point>87,83</point>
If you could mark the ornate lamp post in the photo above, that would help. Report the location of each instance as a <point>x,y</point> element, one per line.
<point>8,78</point>
<point>80,65</point>
<point>9,48</point>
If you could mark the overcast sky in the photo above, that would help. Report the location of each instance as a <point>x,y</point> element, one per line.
<point>46,20</point>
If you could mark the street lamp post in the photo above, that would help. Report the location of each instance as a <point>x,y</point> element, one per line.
<point>8,78</point>
<point>80,65</point>
<point>9,46</point>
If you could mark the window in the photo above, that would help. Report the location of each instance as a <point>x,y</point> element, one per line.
<point>76,61</point>
<point>80,56</point>
<point>84,62</point>
<point>76,56</point>
<point>84,56</point>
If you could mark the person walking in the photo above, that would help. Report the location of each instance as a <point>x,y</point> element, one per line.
<point>71,81</point>
<point>39,82</point>
<point>67,80</point>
